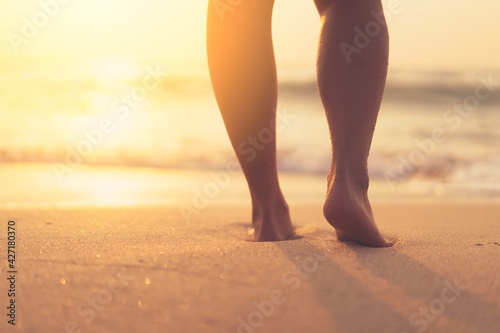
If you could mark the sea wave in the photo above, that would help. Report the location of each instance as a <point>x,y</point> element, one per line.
<point>179,127</point>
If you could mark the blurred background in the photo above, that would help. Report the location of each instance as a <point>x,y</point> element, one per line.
<point>109,103</point>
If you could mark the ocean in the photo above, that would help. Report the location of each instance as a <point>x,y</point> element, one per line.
<point>437,133</point>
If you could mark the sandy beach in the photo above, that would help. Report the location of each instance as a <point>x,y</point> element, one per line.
<point>148,270</point>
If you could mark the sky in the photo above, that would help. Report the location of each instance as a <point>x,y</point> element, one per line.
<point>425,34</point>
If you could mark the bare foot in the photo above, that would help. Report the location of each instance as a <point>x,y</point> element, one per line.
<point>271,221</point>
<point>348,210</point>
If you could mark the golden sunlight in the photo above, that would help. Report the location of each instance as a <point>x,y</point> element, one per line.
<point>108,69</point>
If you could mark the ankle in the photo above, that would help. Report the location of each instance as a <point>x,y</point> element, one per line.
<point>356,178</point>
<point>268,205</point>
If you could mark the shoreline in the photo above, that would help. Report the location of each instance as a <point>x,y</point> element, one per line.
<point>35,186</point>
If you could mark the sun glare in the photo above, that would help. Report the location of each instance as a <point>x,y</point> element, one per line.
<point>103,187</point>
<point>108,69</point>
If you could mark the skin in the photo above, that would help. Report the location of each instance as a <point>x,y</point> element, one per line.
<point>243,72</point>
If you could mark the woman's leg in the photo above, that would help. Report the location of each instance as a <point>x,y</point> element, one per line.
<point>243,73</point>
<point>351,84</point>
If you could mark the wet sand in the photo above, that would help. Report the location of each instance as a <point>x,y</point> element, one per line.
<point>149,270</point>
